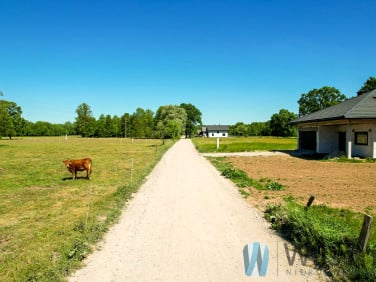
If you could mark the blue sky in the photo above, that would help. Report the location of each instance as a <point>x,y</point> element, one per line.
<point>234,60</point>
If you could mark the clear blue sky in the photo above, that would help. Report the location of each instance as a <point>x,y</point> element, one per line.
<point>234,60</point>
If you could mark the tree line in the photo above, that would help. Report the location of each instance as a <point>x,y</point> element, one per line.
<point>170,121</point>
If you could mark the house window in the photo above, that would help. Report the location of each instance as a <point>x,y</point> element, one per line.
<point>361,138</point>
<point>223,134</point>
<point>212,134</point>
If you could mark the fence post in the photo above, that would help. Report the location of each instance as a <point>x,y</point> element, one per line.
<point>365,232</point>
<point>132,167</point>
<point>309,203</point>
<point>88,206</point>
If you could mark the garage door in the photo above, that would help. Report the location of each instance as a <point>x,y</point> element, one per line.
<point>307,140</point>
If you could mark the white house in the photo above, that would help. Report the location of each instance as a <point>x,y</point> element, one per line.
<point>216,131</point>
<point>348,127</point>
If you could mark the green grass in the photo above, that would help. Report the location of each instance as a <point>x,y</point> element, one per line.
<point>330,236</point>
<point>48,222</point>
<point>244,144</point>
<point>241,179</point>
<point>344,159</point>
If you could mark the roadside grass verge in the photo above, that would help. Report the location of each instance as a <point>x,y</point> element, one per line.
<point>50,223</point>
<point>328,235</point>
<point>244,144</point>
<point>344,159</point>
<point>241,179</point>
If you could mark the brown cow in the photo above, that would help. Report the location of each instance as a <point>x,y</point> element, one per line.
<point>79,165</point>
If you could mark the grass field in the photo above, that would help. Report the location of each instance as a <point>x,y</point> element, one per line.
<point>48,222</point>
<point>244,144</point>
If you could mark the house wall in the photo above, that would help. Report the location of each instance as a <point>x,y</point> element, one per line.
<point>363,150</point>
<point>327,139</point>
<point>217,134</point>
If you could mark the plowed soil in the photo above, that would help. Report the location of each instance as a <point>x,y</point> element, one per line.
<point>340,185</point>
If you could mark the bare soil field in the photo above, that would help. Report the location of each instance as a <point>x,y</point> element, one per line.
<point>340,185</point>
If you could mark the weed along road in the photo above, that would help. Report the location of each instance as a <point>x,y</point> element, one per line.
<point>188,223</point>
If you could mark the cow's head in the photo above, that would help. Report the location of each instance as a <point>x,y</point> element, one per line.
<point>67,163</point>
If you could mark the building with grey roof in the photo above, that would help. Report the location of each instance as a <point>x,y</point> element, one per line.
<point>348,128</point>
<point>216,131</point>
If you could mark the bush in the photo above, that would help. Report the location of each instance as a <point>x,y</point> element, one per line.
<point>328,235</point>
<point>241,179</point>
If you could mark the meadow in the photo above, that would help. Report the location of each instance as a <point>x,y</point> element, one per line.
<point>49,222</point>
<point>245,144</point>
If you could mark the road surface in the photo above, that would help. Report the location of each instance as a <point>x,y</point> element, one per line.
<point>188,223</point>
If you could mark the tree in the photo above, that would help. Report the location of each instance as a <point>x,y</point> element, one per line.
<point>260,129</point>
<point>6,122</point>
<point>115,126</point>
<point>319,99</point>
<point>279,124</point>
<point>170,121</point>
<point>85,122</point>
<point>125,125</point>
<point>138,123</point>
<point>142,123</point>
<point>239,129</point>
<point>101,126</point>
<point>149,123</point>
<point>69,128</point>
<point>10,118</point>
<point>193,119</point>
<point>368,86</point>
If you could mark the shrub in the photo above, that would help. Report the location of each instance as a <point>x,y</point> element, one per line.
<point>329,235</point>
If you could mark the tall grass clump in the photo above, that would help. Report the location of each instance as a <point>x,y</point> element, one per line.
<point>240,178</point>
<point>330,236</point>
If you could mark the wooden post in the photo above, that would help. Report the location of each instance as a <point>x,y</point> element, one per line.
<point>309,203</point>
<point>88,206</point>
<point>132,167</point>
<point>365,232</point>
<point>217,143</point>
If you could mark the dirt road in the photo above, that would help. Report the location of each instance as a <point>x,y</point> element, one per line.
<point>187,223</point>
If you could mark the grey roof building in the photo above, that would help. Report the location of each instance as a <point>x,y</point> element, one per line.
<point>362,106</point>
<point>216,131</point>
<point>346,128</point>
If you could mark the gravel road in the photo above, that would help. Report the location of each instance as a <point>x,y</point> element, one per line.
<point>188,223</point>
